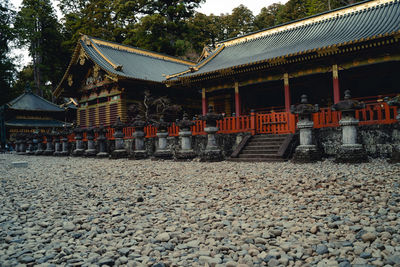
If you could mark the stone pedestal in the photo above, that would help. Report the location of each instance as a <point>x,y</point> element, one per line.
<point>119,151</point>
<point>162,151</point>
<point>22,146</point>
<point>140,149</point>
<point>79,145</point>
<point>40,146</point>
<point>65,146</point>
<point>212,152</point>
<point>102,143</point>
<point>306,151</point>
<point>57,146</point>
<point>350,151</point>
<point>186,152</point>
<point>91,146</point>
<point>30,149</point>
<point>49,146</point>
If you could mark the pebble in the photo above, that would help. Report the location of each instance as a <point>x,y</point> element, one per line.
<point>92,212</point>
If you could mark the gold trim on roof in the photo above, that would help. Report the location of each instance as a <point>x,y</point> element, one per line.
<point>141,52</point>
<point>304,22</point>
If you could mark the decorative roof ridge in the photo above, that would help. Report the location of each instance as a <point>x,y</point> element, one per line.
<point>339,12</point>
<point>200,64</point>
<point>139,51</point>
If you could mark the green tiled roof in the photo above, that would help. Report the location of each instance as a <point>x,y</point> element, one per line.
<point>34,123</point>
<point>134,63</point>
<point>31,102</point>
<point>359,22</point>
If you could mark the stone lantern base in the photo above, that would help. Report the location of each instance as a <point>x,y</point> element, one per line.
<point>63,153</point>
<point>306,154</point>
<point>90,153</point>
<point>395,157</point>
<point>39,152</point>
<point>184,155</point>
<point>354,153</point>
<point>48,153</point>
<point>102,155</point>
<point>139,154</point>
<point>78,152</point>
<point>162,154</point>
<point>118,154</point>
<point>212,155</point>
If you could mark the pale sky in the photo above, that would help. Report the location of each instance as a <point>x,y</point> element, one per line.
<point>210,6</point>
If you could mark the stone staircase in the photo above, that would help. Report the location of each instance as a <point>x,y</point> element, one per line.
<point>265,147</point>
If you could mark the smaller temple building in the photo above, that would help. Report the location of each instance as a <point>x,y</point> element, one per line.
<point>27,113</point>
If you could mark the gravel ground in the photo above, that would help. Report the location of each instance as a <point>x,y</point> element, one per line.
<point>82,212</point>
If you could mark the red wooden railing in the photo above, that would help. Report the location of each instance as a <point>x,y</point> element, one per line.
<point>272,123</point>
<point>376,113</point>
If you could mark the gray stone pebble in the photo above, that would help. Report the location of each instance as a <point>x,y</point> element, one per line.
<point>92,212</point>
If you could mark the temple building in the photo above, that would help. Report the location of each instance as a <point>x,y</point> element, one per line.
<point>30,112</point>
<point>355,47</point>
<point>106,78</point>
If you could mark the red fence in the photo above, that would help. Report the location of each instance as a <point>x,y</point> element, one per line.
<point>377,113</point>
<point>272,123</point>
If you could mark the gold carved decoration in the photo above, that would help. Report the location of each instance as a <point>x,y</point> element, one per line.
<point>96,70</point>
<point>82,57</point>
<point>70,80</point>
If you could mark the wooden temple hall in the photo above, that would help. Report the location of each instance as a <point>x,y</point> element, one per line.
<point>351,48</point>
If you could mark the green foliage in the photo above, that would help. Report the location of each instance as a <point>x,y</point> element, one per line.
<point>267,17</point>
<point>7,67</point>
<point>37,28</point>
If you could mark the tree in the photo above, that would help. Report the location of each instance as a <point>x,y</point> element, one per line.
<point>7,67</point>
<point>267,17</point>
<point>239,22</point>
<point>38,29</point>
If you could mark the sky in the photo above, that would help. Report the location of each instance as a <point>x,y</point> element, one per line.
<point>216,7</point>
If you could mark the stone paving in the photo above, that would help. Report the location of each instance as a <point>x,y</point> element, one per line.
<point>83,212</point>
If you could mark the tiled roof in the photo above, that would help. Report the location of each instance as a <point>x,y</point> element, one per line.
<point>31,102</point>
<point>359,22</point>
<point>34,123</point>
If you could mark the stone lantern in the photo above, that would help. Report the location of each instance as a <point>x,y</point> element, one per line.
<point>30,147</point>
<point>41,145</point>
<point>35,141</point>
<point>57,144</point>
<point>65,142</point>
<point>212,151</point>
<point>91,146</point>
<point>307,151</point>
<point>119,151</point>
<point>49,144</point>
<point>140,151</point>
<point>350,151</point>
<point>102,142</point>
<point>162,151</point>
<point>79,146</point>
<point>186,151</point>
<point>21,142</point>
<point>395,101</point>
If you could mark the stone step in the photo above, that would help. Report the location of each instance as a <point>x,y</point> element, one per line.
<point>264,143</point>
<point>258,147</point>
<point>266,155</point>
<point>268,138</point>
<point>260,151</point>
<point>256,160</point>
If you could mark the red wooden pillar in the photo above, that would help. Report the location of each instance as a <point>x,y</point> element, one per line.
<point>287,91</point>
<point>204,101</point>
<point>336,89</point>
<point>237,99</point>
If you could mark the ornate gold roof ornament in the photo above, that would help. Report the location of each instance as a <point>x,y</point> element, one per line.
<point>96,70</point>
<point>82,57</point>
<point>70,80</point>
